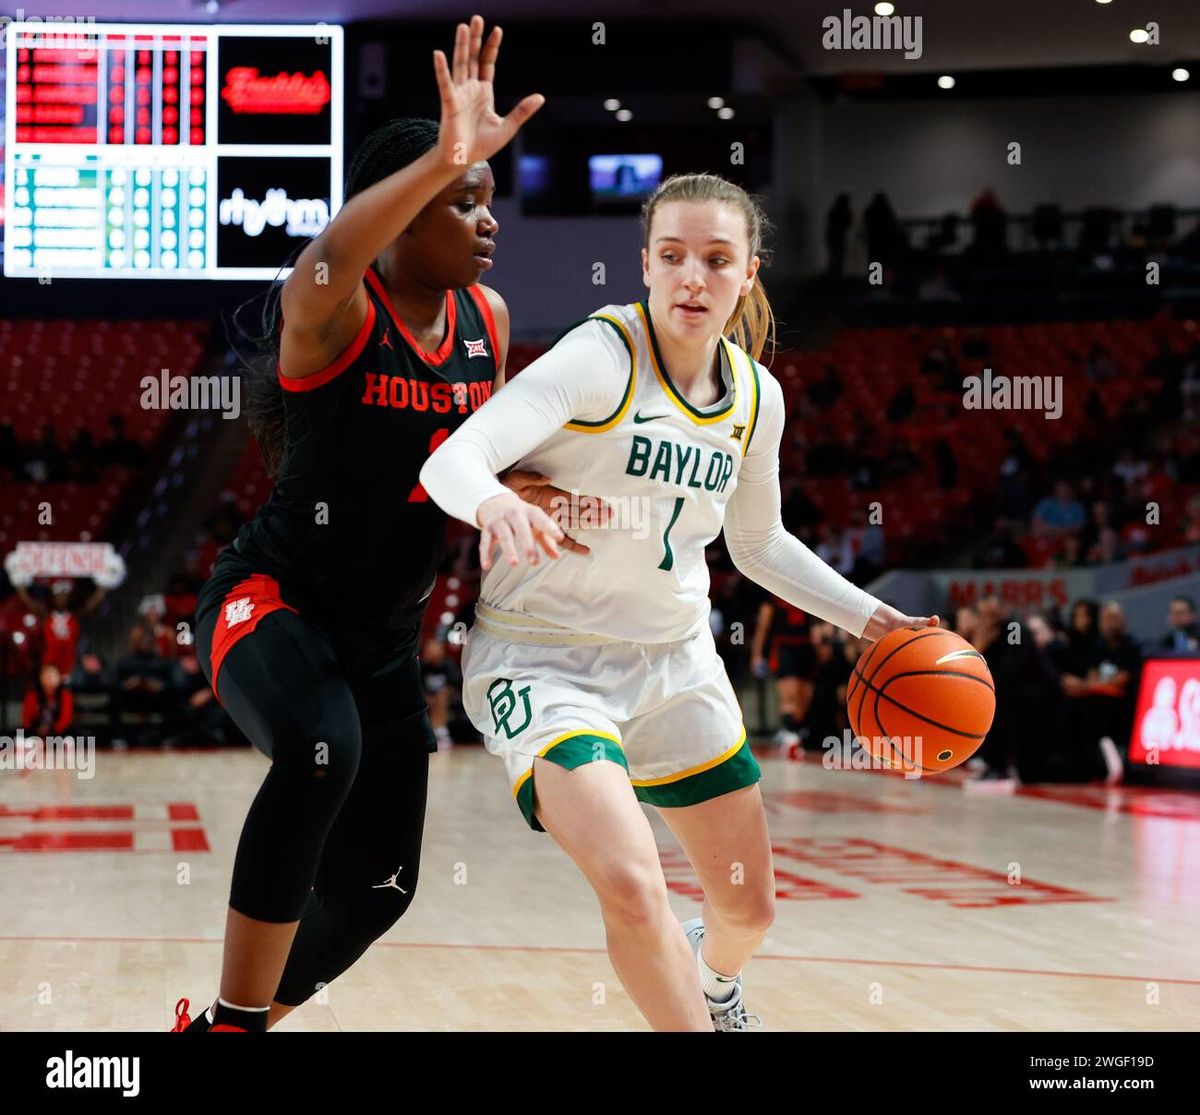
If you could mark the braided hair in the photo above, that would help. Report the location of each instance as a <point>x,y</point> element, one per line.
<point>383,152</point>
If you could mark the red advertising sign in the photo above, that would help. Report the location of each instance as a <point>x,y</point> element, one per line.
<point>1166,723</point>
<point>246,90</point>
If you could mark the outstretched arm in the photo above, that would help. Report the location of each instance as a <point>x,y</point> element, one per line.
<point>324,301</point>
<point>766,553</point>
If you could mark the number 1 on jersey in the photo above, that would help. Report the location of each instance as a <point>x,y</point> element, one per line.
<point>669,554</point>
<point>419,494</point>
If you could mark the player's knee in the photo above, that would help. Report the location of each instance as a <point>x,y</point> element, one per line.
<point>631,895</point>
<point>319,744</point>
<point>368,916</point>
<point>747,909</point>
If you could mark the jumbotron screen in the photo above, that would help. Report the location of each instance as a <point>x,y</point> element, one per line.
<point>157,151</point>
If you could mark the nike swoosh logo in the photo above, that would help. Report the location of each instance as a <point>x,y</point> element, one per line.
<point>649,417</point>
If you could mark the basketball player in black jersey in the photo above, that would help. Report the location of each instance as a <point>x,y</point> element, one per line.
<point>307,630</point>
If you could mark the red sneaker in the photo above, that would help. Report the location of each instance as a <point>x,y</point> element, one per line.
<point>182,1021</point>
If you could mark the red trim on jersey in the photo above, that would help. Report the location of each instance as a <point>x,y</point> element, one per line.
<point>262,596</point>
<point>485,308</point>
<point>331,371</point>
<point>445,348</point>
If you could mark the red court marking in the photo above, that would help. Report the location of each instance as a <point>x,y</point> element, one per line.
<point>681,879</point>
<point>1139,801</point>
<point>144,827</point>
<point>189,840</point>
<point>69,842</point>
<point>884,864</point>
<point>877,962</point>
<point>70,812</point>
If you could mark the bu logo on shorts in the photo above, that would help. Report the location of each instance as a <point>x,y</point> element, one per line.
<point>503,703</point>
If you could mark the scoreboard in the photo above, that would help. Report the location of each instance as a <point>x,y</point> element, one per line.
<point>158,151</point>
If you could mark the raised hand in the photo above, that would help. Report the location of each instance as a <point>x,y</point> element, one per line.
<point>470,127</point>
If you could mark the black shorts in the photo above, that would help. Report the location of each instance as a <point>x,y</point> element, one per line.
<point>241,602</point>
<point>796,660</point>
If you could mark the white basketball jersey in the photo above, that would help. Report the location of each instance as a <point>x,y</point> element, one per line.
<point>667,470</point>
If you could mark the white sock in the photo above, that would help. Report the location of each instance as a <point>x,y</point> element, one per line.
<point>718,987</point>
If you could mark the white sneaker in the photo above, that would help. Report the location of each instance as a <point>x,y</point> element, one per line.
<point>731,1014</point>
<point>786,738</point>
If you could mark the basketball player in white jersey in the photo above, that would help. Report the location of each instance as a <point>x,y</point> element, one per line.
<point>595,676</point>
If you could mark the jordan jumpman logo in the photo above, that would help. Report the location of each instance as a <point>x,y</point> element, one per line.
<point>390,881</point>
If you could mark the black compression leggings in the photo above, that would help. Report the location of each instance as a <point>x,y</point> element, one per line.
<point>333,837</point>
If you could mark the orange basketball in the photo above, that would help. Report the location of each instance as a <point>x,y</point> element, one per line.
<point>921,699</point>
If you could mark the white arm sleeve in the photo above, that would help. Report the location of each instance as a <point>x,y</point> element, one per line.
<point>584,376</point>
<point>764,552</point>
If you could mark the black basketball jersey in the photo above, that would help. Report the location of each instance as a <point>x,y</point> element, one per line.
<point>348,522</point>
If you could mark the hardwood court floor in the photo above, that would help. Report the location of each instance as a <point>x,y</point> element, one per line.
<point>902,906</point>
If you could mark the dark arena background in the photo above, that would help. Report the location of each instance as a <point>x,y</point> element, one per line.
<point>985,269</point>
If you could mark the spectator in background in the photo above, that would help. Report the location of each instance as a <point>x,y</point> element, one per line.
<point>1025,684</point>
<point>1099,366</point>
<point>864,466</point>
<point>1189,390</point>
<point>1110,687</point>
<point>1013,496</point>
<point>1106,549</point>
<point>145,679</point>
<point>837,229</point>
<point>117,449</point>
<point>975,345</point>
<point>1040,545</point>
<point>1191,524</point>
<point>830,548</point>
<point>784,633</point>
<point>45,462</point>
<point>152,610</point>
<point>901,460</point>
<point>1183,634</point>
<point>12,456</point>
<point>85,459</point>
<point>1060,513</point>
<point>60,622</point>
<point>834,659</point>
<point>198,720</point>
<point>999,550</point>
<point>826,391</point>
<point>1060,756</point>
<point>1131,470</point>
<point>180,601</point>
<point>440,677</point>
<point>48,707</point>
<point>991,229</point>
<point>885,239</point>
<point>937,288</point>
<point>939,363</point>
<point>864,544</point>
<point>1069,555</point>
<point>946,464</point>
<point>902,404</point>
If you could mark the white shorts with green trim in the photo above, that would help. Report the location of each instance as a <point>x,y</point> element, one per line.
<point>664,711</point>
